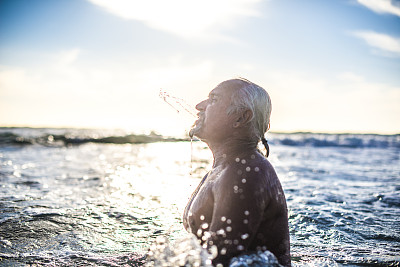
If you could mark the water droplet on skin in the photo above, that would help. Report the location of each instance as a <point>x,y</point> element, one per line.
<point>245,221</point>
<point>223,218</point>
<point>228,229</point>
<point>199,232</point>
<point>256,169</point>
<point>214,251</point>
<point>243,161</point>
<point>246,212</point>
<point>240,247</point>
<point>202,217</point>
<point>228,221</point>
<point>220,232</point>
<point>248,169</point>
<point>237,159</point>
<point>243,181</point>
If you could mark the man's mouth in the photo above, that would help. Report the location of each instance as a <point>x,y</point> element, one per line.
<point>197,124</point>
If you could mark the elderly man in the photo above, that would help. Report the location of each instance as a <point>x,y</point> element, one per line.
<point>239,206</point>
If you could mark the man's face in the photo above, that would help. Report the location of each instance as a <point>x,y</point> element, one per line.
<point>214,123</point>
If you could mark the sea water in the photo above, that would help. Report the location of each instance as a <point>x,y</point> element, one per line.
<point>104,198</point>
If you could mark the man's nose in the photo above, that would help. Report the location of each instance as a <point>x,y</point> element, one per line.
<point>201,106</point>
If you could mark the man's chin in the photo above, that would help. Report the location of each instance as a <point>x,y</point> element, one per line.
<point>195,131</point>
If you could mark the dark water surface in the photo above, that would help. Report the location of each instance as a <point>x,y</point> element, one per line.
<point>96,198</point>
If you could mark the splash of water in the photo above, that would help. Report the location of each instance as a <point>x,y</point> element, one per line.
<point>186,251</point>
<point>177,103</point>
<point>180,105</point>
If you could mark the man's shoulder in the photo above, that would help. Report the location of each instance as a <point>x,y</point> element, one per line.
<point>247,171</point>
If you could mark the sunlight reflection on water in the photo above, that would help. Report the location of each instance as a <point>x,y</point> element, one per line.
<point>102,203</point>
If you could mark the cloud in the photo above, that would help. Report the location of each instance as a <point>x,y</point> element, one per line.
<point>68,56</point>
<point>383,42</point>
<point>185,18</point>
<point>382,6</point>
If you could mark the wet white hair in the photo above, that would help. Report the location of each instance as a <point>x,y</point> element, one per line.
<point>252,97</point>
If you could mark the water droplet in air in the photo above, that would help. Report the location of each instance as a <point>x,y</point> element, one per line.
<point>237,159</point>
<point>222,252</point>
<point>243,161</point>
<point>228,229</point>
<point>248,169</point>
<point>253,156</point>
<point>239,172</point>
<point>228,221</point>
<point>204,225</point>
<point>240,247</point>
<point>246,212</point>
<point>202,217</point>
<point>223,218</point>
<point>243,180</point>
<point>256,169</point>
<point>245,221</point>
<point>244,236</point>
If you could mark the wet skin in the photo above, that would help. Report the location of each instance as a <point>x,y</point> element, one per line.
<point>239,206</point>
<point>242,205</point>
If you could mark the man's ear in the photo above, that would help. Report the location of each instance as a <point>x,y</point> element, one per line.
<point>243,119</point>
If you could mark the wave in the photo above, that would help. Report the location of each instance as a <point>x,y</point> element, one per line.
<point>31,137</point>
<point>337,140</point>
<point>62,137</point>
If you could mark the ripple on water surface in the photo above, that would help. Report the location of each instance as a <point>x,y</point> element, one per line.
<point>105,204</point>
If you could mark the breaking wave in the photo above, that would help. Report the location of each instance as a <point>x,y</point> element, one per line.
<point>60,137</point>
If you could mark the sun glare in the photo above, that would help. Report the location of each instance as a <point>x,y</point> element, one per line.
<point>186,18</point>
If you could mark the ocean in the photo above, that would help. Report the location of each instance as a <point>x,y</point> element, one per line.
<point>78,197</point>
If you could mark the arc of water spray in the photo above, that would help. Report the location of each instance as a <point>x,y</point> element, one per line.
<point>177,103</point>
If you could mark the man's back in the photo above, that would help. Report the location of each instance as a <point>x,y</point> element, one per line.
<point>242,205</point>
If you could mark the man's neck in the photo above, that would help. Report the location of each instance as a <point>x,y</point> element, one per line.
<point>231,149</point>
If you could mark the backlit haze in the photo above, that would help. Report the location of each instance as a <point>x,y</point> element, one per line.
<point>329,66</point>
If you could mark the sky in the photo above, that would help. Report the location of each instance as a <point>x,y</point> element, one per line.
<point>329,66</point>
